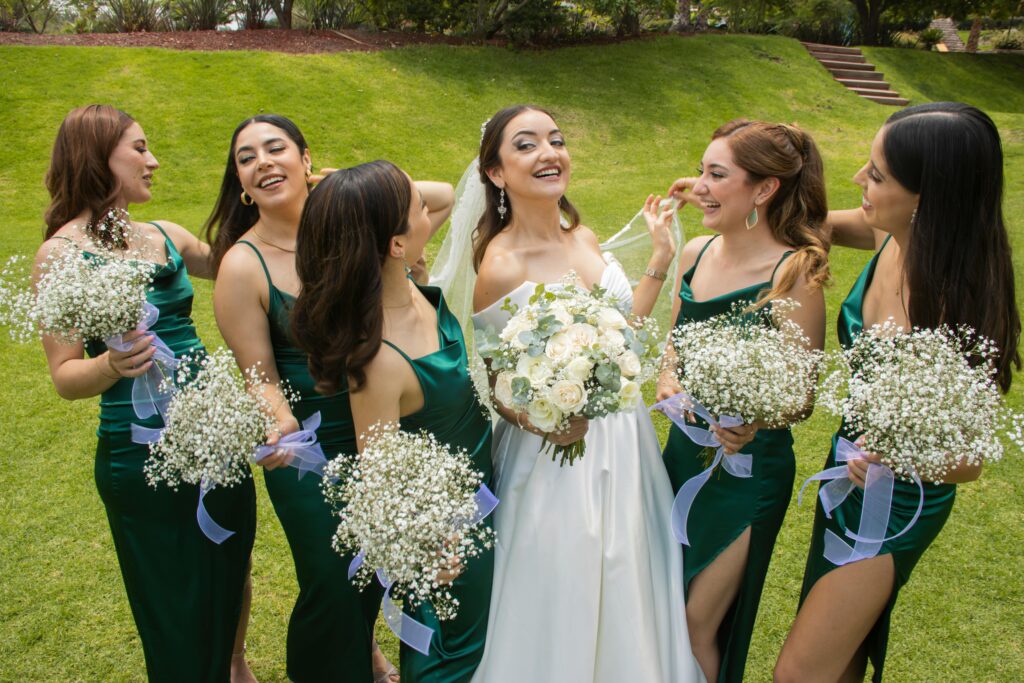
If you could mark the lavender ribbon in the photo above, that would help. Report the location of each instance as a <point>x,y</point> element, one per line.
<point>307,454</point>
<point>411,632</point>
<point>213,531</point>
<point>738,465</point>
<point>875,510</point>
<point>148,396</point>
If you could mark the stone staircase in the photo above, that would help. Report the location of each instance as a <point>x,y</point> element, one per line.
<point>848,66</point>
<point>950,38</point>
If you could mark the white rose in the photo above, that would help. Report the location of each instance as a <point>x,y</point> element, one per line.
<point>580,368</point>
<point>629,364</point>
<point>561,314</point>
<point>536,369</point>
<point>568,395</point>
<point>543,414</point>
<point>513,327</point>
<point>559,347</point>
<point>629,394</point>
<point>503,389</point>
<point>612,341</point>
<point>610,319</point>
<point>582,335</point>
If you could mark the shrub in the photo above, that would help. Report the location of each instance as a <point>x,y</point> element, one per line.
<point>252,14</point>
<point>833,22</point>
<point>328,14</point>
<point>1011,40</point>
<point>929,38</point>
<point>200,15</point>
<point>127,16</point>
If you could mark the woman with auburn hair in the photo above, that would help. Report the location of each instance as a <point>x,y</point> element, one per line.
<point>185,592</point>
<point>253,229</point>
<point>398,352</point>
<point>932,212</point>
<point>762,190</point>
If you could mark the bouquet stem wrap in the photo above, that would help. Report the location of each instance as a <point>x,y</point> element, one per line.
<point>411,632</point>
<point>307,454</point>
<point>151,393</point>
<point>738,465</point>
<point>874,516</point>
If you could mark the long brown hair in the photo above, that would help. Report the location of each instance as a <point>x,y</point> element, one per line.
<point>346,227</point>
<point>958,265</point>
<point>79,178</point>
<point>491,223</point>
<point>798,211</point>
<point>230,218</point>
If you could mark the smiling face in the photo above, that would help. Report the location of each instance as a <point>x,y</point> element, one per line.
<point>133,165</point>
<point>270,166</point>
<point>534,161</point>
<point>886,204</point>
<point>725,190</point>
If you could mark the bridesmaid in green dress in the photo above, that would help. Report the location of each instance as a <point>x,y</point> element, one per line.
<point>398,349</point>
<point>185,592</point>
<point>762,190</point>
<point>932,208</point>
<point>253,230</point>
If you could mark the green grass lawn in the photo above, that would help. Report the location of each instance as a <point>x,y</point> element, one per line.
<point>637,115</point>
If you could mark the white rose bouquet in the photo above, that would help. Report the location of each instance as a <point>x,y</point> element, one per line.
<point>925,401</point>
<point>410,506</point>
<point>570,352</point>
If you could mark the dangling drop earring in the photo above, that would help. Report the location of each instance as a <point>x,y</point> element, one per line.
<point>748,223</point>
<point>502,209</point>
<point>246,199</point>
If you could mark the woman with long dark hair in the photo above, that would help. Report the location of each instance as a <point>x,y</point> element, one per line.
<point>253,231</point>
<point>762,190</point>
<point>399,353</point>
<point>185,592</point>
<point>932,210</point>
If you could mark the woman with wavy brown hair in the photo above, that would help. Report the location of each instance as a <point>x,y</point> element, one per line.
<point>762,190</point>
<point>185,592</point>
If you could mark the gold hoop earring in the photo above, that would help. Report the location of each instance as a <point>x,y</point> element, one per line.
<point>246,199</point>
<point>747,222</point>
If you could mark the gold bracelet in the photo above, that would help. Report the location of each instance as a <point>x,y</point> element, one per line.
<point>656,274</point>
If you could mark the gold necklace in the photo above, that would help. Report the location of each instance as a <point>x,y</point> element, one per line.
<point>266,241</point>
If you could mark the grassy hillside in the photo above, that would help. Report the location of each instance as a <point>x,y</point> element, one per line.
<point>637,115</point>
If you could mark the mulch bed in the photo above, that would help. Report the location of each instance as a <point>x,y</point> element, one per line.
<point>275,40</point>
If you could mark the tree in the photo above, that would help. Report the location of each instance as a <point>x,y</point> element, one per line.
<point>681,22</point>
<point>283,12</point>
<point>870,14</point>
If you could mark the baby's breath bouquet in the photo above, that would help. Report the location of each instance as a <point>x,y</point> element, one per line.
<point>408,506</point>
<point>754,365</point>
<point>570,352</point>
<point>925,401</point>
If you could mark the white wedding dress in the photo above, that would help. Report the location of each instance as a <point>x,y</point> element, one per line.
<point>588,579</point>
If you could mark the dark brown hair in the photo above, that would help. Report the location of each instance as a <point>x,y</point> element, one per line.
<point>798,211</point>
<point>958,264</point>
<point>231,218</point>
<point>491,223</point>
<point>344,236</point>
<point>79,178</point>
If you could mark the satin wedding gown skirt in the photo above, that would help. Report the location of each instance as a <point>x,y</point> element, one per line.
<point>588,579</point>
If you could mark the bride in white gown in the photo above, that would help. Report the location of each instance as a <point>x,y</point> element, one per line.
<point>588,581</point>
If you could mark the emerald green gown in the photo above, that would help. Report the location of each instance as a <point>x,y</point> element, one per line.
<point>184,590</point>
<point>905,550</point>
<point>330,631</point>
<point>728,505</point>
<point>452,413</point>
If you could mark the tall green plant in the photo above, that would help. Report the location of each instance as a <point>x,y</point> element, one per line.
<point>199,15</point>
<point>128,16</point>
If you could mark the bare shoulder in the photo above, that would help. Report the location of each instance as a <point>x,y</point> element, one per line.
<point>587,237</point>
<point>501,271</point>
<point>691,250</point>
<point>69,232</point>
<point>242,266</point>
<point>179,235</point>
<point>381,372</point>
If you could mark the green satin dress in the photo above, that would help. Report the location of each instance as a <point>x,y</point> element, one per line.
<point>185,591</point>
<point>905,550</point>
<point>728,505</point>
<point>330,632</point>
<point>453,414</point>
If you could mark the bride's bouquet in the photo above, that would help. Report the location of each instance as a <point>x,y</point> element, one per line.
<point>570,352</point>
<point>411,507</point>
<point>925,401</point>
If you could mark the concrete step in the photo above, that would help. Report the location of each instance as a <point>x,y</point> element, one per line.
<point>836,49</point>
<point>877,92</point>
<point>831,64</point>
<point>894,101</point>
<point>859,75</point>
<point>829,56</point>
<point>865,83</point>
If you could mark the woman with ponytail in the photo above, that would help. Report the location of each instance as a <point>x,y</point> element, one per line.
<point>932,212</point>
<point>253,232</point>
<point>762,190</point>
<point>398,353</point>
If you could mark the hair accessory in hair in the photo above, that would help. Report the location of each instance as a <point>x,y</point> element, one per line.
<point>483,129</point>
